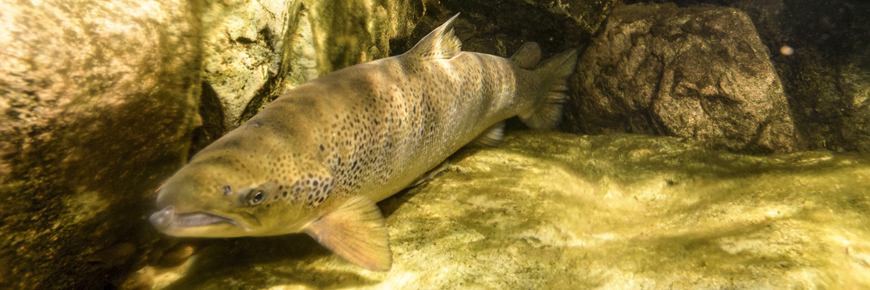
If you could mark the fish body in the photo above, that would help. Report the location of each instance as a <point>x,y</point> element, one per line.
<point>317,158</point>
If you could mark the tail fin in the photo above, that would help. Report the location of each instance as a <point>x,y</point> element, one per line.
<point>555,71</point>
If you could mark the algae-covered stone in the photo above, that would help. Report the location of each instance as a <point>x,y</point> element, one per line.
<point>98,99</point>
<point>560,211</point>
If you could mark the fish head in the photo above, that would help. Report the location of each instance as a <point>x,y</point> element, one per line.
<point>224,196</point>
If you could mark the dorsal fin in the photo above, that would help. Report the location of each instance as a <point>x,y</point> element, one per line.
<point>441,43</point>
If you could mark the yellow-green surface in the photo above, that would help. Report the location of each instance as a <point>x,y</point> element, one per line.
<point>559,211</point>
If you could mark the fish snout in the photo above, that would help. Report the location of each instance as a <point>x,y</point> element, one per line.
<point>163,218</point>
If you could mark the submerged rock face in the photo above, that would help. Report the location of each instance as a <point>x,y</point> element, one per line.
<point>560,211</point>
<point>98,99</point>
<point>698,72</point>
<point>254,50</point>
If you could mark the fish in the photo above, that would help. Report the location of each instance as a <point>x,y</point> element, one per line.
<point>318,158</point>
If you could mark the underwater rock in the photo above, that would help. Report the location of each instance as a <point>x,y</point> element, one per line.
<point>854,83</point>
<point>98,100</point>
<point>698,72</point>
<point>824,68</point>
<point>561,211</point>
<point>827,77</point>
<point>176,255</point>
<point>254,50</point>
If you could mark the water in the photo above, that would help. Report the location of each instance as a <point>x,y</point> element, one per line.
<point>103,101</point>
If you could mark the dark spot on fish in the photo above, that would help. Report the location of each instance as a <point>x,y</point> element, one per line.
<point>285,194</point>
<point>315,183</point>
<point>321,147</point>
<point>280,187</point>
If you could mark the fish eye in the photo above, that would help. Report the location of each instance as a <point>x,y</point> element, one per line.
<point>257,197</point>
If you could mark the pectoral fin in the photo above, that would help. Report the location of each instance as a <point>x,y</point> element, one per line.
<point>493,136</point>
<point>355,232</point>
<point>431,173</point>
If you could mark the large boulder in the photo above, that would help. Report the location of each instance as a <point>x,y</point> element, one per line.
<point>98,99</point>
<point>699,72</point>
<point>562,211</point>
<point>819,49</point>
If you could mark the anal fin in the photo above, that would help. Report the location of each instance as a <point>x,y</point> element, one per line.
<point>355,232</point>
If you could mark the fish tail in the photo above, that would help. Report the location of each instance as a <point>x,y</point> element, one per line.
<point>555,72</point>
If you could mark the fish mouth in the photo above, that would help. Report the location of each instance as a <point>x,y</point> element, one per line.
<point>196,219</point>
<point>167,218</point>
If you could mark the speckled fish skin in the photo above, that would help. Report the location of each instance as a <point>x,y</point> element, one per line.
<point>367,130</point>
